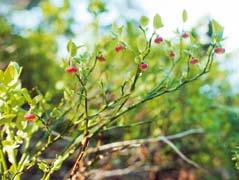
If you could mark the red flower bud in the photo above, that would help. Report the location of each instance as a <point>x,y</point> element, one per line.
<point>71,69</point>
<point>100,58</point>
<point>193,61</point>
<point>172,54</point>
<point>143,66</point>
<point>158,40</point>
<point>30,117</point>
<point>219,50</point>
<point>119,48</point>
<point>185,35</point>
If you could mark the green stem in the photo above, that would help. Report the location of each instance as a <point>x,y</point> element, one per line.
<point>46,176</point>
<point>3,163</point>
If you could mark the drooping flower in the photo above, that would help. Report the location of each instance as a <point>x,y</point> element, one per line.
<point>71,69</point>
<point>193,61</point>
<point>219,50</point>
<point>158,40</point>
<point>119,48</point>
<point>143,66</point>
<point>185,35</point>
<point>30,117</point>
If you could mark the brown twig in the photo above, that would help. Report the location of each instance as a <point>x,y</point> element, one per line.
<point>140,142</point>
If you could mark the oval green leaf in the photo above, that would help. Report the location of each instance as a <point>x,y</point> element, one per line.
<point>72,48</point>
<point>144,21</point>
<point>157,23</point>
<point>141,43</point>
<point>185,15</point>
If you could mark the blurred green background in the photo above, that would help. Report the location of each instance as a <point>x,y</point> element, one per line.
<point>34,33</point>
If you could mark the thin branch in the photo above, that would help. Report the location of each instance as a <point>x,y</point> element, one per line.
<point>140,142</point>
<point>133,170</point>
<point>184,157</point>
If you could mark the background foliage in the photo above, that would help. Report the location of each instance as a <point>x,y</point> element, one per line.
<point>208,103</point>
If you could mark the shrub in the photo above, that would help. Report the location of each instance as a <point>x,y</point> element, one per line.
<point>100,92</point>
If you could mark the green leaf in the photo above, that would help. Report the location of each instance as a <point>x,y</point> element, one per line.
<point>120,30</point>
<point>137,60</point>
<point>4,119</point>
<point>43,166</point>
<point>216,27</point>
<point>59,161</point>
<point>37,99</point>
<point>72,48</point>
<point>217,31</point>
<point>12,73</point>
<point>157,23</point>
<point>141,43</point>
<point>185,15</point>
<point>114,27</point>
<point>26,95</point>
<point>144,21</point>
<point>117,29</point>
<point>55,112</point>
<point>96,6</point>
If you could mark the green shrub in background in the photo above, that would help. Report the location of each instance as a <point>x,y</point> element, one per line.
<point>113,86</point>
<point>36,52</point>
